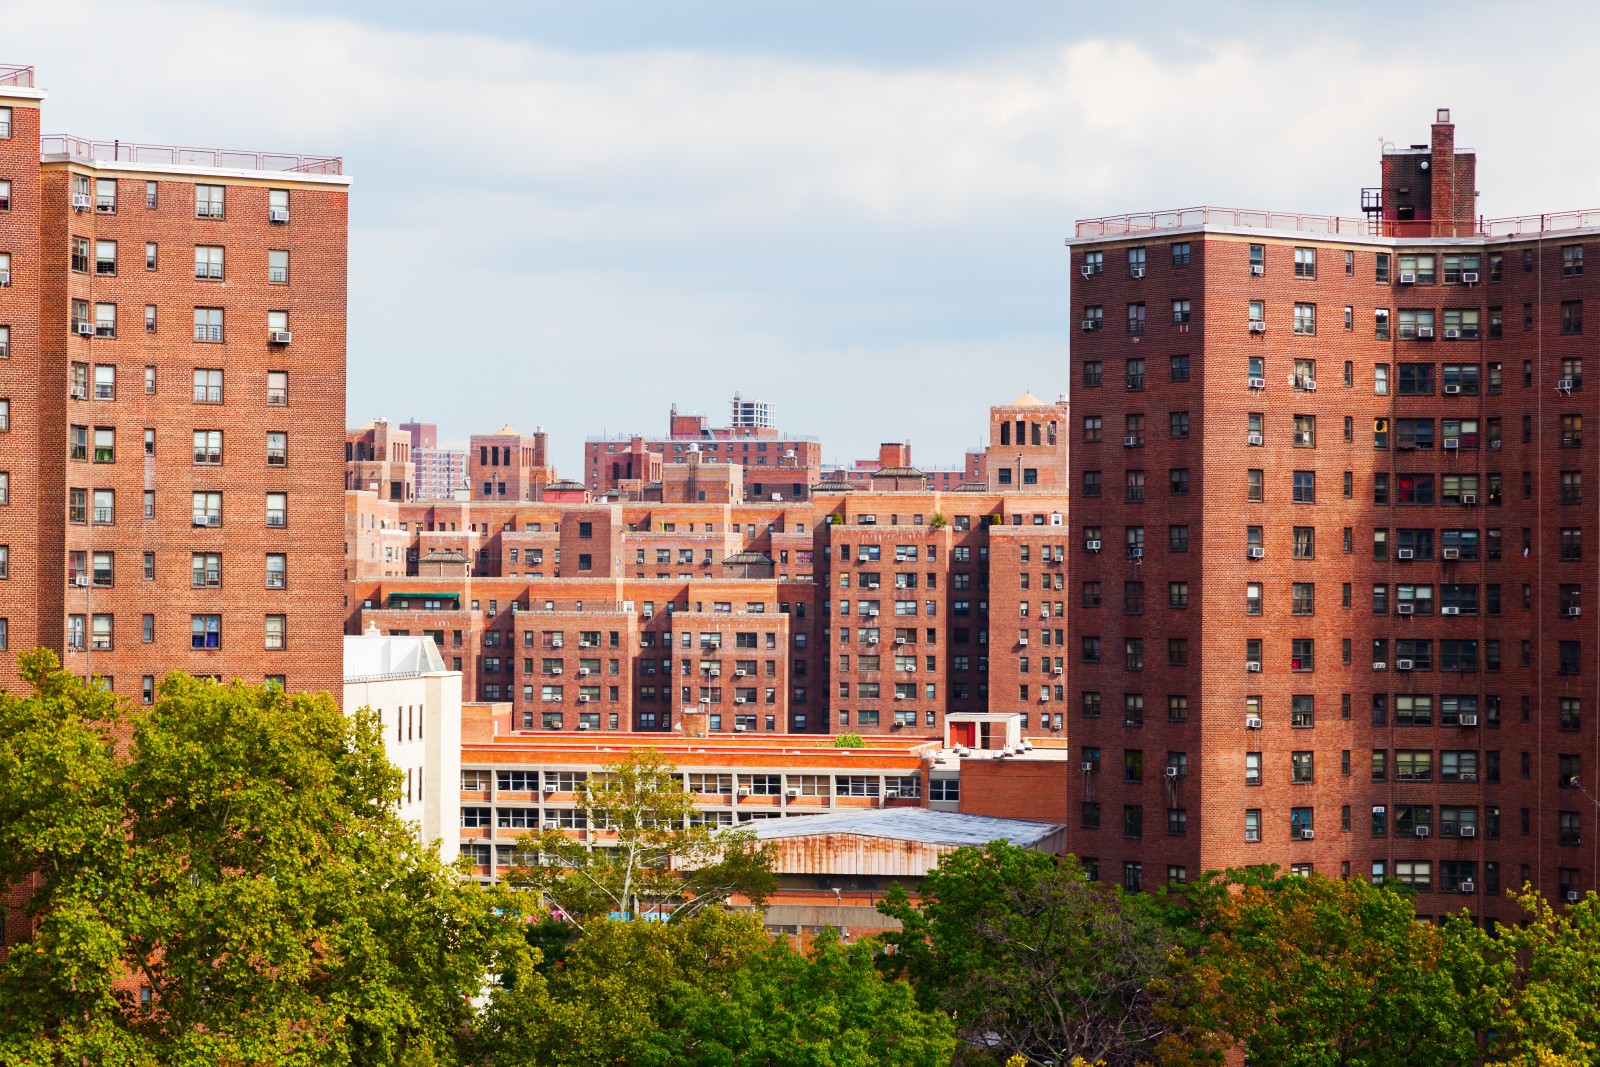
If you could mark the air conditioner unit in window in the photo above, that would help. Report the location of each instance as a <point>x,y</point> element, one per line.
<point>1405,553</point>
<point>1255,552</point>
<point>1088,767</point>
<point>1565,385</point>
<point>1023,640</point>
<point>1467,885</point>
<point>1573,896</point>
<point>81,201</point>
<point>1136,553</point>
<point>78,393</point>
<point>1086,270</point>
<point>1170,772</point>
<point>1408,279</point>
<point>1469,277</point>
<point>1092,546</point>
<point>1379,665</point>
<point>1495,444</point>
<point>583,700</point>
<point>86,329</point>
<point>792,794</point>
<point>1044,696</point>
<point>583,672</point>
<point>1257,269</point>
<point>1468,718</point>
<point>744,790</point>
<point>550,787</point>
<point>582,725</point>
<point>1424,333</point>
<point>1452,389</point>
<point>1451,444</point>
<point>1468,831</point>
<point>1130,442</point>
<point>1253,666</point>
<point>1307,835</point>
<point>81,579</point>
<point>278,214</point>
<point>1450,609</point>
<point>279,337</point>
<point>738,700</point>
<point>1402,665</point>
<point>1253,439</point>
<point>1309,385</point>
<point>1423,831</point>
<point>872,639</point>
<point>1404,609</point>
<point>1258,326</point>
<point>1452,335</point>
<point>1257,383</point>
<point>1136,272</point>
<point>1449,553</point>
<point>1468,499</point>
<point>551,824</point>
<point>1252,835</point>
<point>1573,611</point>
<point>1090,325</point>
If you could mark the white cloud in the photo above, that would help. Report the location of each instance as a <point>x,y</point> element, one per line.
<point>577,238</point>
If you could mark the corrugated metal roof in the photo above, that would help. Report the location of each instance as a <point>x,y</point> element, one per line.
<point>899,472</point>
<point>754,559</point>
<point>909,824</point>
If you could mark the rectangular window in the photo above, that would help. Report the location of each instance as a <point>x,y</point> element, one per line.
<point>278,267</point>
<point>208,261</point>
<point>205,631</point>
<point>208,325</point>
<point>208,201</point>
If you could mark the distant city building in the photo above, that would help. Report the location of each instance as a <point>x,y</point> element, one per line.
<point>377,459</point>
<point>777,466</point>
<point>417,702</point>
<point>441,473</point>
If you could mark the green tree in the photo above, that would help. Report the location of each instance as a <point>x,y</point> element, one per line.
<point>1550,1016</point>
<point>233,850</point>
<point>1032,958</point>
<point>1319,972</point>
<point>713,989</point>
<point>645,853</point>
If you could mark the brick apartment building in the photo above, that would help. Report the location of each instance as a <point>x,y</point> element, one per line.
<point>172,337</point>
<point>1320,466</point>
<point>377,458</point>
<point>777,466</point>
<point>441,473</point>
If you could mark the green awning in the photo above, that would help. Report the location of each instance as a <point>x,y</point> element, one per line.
<point>426,596</point>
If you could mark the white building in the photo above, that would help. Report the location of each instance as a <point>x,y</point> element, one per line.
<point>418,703</point>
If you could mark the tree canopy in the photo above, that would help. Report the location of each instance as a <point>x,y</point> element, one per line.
<point>220,879</point>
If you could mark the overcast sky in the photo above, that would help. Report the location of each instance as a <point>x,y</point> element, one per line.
<point>572,214</point>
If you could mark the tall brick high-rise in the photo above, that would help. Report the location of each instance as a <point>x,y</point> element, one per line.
<point>1331,522</point>
<point>172,334</point>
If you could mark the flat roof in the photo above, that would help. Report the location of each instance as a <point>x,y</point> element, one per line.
<point>1330,227</point>
<point>922,825</point>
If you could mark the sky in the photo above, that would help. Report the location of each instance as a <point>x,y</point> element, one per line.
<point>573,215</point>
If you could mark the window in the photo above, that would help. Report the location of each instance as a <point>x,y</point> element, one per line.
<point>1136,318</point>
<point>1178,425</point>
<point>205,631</point>
<point>207,509</point>
<point>277,449</point>
<point>105,320</point>
<point>208,386</point>
<point>1180,254</point>
<point>1571,261</point>
<point>1305,262</point>
<point>277,509</point>
<point>1305,431</point>
<point>1180,368</point>
<point>208,261</point>
<point>1136,262</point>
<point>1305,319</point>
<point>275,632</point>
<point>1253,485</point>
<point>205,570</point>
<point>105,257</point>
<point>207,447</point>
<point>1093,372</point>
<point>105,195</point>
<point>1572,316</point>
<point>105,382</point>
<point>208,201</point>
<point>208,325</point>
<point>1380,323</point>
<point>5,196</point>
<point>1304,598</point>
<point>105,444</point>
<point>1305,487</point>
<point>277,388</point>
<point>105,507</point>
<point>1092,429</point>
<point>278,267</point>
<point>1258,259</point>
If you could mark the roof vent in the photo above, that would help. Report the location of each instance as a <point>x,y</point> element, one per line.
<point>1442,115</point>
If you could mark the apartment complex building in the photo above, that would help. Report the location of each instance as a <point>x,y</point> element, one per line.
<point>172,336</point>
<point>854,611</point>
<point>777,466</point>
<point>377,458</point>
<point>441,473</point>
<point>1334,530</point>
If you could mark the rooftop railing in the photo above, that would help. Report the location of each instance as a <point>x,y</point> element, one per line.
<point>1328,225</point>
<point>22,77</point>
<point>88,151</point>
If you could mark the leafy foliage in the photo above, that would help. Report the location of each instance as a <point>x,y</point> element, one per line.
<point>1550,1018</point>
<point>651,859</point>
<point>1033,958</point>
<point>233,850</point>
<point>714,990</point>
<point>849,741</point>
<point>1318,972</point>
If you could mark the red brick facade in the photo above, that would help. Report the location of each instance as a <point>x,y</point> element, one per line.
<point>159,348</point>
<point>1315,477</point>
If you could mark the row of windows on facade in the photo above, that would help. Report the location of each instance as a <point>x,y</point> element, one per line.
<point>1415,324</point>
<point>208,322</point>
<point>712,784</point>
<point>99,506</point>
<point>1407,598</point>
<point>210,200</point>
<point>1456,876</point>
<point>97,632</point>
<point>100,258</point>
<point>1453,766</point>
<point>208,383</point>
<point>1410,654</point>
<point>1403,434</point>
<point>147,691</point>
<point>1409,709</point>
<point>1415,268</point>
<point>99,568</point>
<point>1451,490</point>
<point>1410,379</point>
<point>100,443</point>
<point>1411,544</point>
